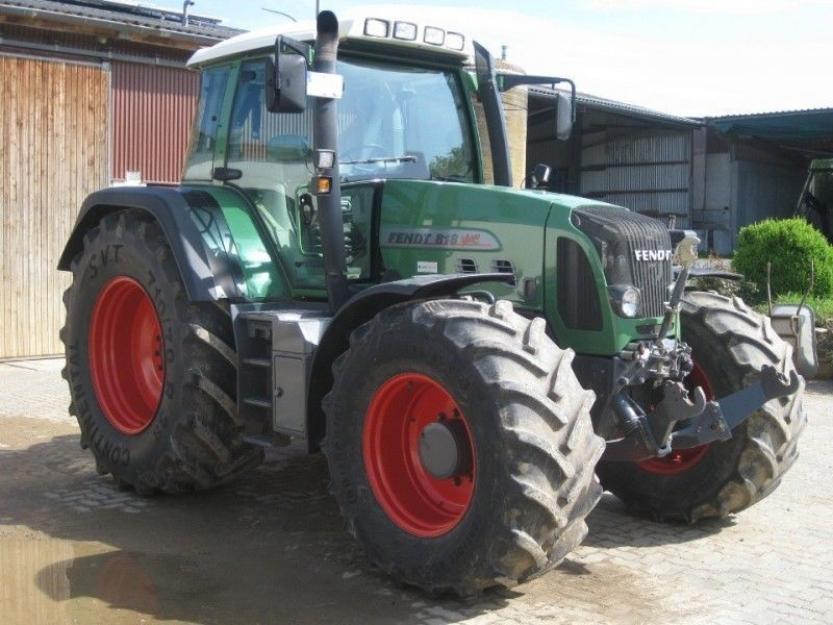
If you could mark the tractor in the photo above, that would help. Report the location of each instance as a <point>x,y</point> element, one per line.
<point>476,361</point>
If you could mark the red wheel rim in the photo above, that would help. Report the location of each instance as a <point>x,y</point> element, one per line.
<point>681,460</point>
<point>125,351</point>
<point>416,501</point>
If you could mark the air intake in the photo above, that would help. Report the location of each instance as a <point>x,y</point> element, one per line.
<point>466,265</point>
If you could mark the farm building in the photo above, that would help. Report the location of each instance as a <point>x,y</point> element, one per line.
<point>714,175</point>
<point>91,91</point>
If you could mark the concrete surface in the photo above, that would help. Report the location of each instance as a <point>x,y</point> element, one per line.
<point>271,548</point>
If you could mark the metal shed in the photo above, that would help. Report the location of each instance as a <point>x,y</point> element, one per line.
<point>755,167</point>
<point>619,153</point>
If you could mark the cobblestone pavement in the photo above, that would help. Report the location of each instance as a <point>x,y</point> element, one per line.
<point>272,549</point>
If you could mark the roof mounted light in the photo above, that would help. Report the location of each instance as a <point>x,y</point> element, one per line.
<point>374,27</point>
<point>434,36</point>
<point>455,41</point>
<point>406,31</point>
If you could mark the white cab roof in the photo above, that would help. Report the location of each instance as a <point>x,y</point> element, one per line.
<point>351,26</point>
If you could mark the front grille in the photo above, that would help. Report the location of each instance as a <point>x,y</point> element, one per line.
<point>619,235</point>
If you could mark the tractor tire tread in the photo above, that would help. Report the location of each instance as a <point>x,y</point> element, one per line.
<point>204,448</point>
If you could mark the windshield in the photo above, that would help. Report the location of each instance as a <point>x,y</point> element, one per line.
<point>393,122</point>
<point>397,122</point>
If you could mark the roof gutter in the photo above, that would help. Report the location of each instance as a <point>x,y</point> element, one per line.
<point>97,55</point>
<point>160,36</point>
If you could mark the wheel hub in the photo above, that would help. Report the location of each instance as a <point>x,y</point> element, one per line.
<point>419,455</point>
<point>442,449</point>
<point>126,355</point>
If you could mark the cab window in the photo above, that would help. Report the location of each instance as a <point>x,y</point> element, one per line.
<point>200,161</point>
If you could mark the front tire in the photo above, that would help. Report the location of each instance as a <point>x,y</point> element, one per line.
<point>519,506</point>
<point>731,344</point>
<point>152,376</point>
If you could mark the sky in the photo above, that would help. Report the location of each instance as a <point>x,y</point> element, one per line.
<point>687,57</point>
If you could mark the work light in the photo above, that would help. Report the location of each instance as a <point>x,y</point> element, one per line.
<point>405,30</point>
<point>434,36</point>
<point>374,27</point>
<point>455,41</point>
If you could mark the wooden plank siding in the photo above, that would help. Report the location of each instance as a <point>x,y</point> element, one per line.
<point>53,153</point>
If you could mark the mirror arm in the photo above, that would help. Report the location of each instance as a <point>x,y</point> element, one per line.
<point>299,47</point>
<point>509,81</point>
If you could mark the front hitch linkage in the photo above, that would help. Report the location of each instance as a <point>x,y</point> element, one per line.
<point>707,421</point>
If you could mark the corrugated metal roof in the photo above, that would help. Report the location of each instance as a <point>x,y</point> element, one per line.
<point>621,108</point>
<point>798,125</point>
<point>764,114</point>
<point>136,16</point>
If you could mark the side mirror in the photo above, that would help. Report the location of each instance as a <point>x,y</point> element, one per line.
<point>564,116</point>
<point>565,112</point>
<point>286,77</point>
<point>540,176</point>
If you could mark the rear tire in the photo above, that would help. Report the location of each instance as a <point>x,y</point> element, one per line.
<point>192,439</point>
<point>531,435</point>
<point>730,343</point>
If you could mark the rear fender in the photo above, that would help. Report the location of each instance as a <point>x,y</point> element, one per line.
<point>207,275</point>
<point>360,309</point>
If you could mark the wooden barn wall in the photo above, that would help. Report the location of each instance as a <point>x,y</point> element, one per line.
<point>53,152</point>
<point>153,108</point>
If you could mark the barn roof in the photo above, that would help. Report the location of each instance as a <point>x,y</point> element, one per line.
<point>137,17</point>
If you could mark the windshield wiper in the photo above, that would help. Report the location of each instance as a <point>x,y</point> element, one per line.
<point>405,158</point>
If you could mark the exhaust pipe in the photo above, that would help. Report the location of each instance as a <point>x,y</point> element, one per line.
<point>325,133</point>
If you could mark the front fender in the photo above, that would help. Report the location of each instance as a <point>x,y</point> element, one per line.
<point>360,309</point>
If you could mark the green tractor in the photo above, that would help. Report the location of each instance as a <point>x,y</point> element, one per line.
<point>333,272</point>
<point>816,201</point>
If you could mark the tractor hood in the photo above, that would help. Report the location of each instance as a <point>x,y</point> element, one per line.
<point>436,227</point>
<point>564,252</point>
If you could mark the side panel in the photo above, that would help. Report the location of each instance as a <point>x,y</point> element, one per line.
<point>435,227</point>
<point>230,228</point>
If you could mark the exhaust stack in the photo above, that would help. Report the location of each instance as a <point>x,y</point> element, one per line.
<point>325,133</point>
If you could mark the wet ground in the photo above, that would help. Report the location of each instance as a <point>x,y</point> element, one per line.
<point>272,547</point>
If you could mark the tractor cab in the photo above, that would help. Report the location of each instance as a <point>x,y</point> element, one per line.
<point>406,97</point>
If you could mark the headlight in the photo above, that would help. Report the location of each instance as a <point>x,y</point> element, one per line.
<point>625,300</point>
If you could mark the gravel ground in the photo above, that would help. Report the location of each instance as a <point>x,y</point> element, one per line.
<point>272,548</point>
